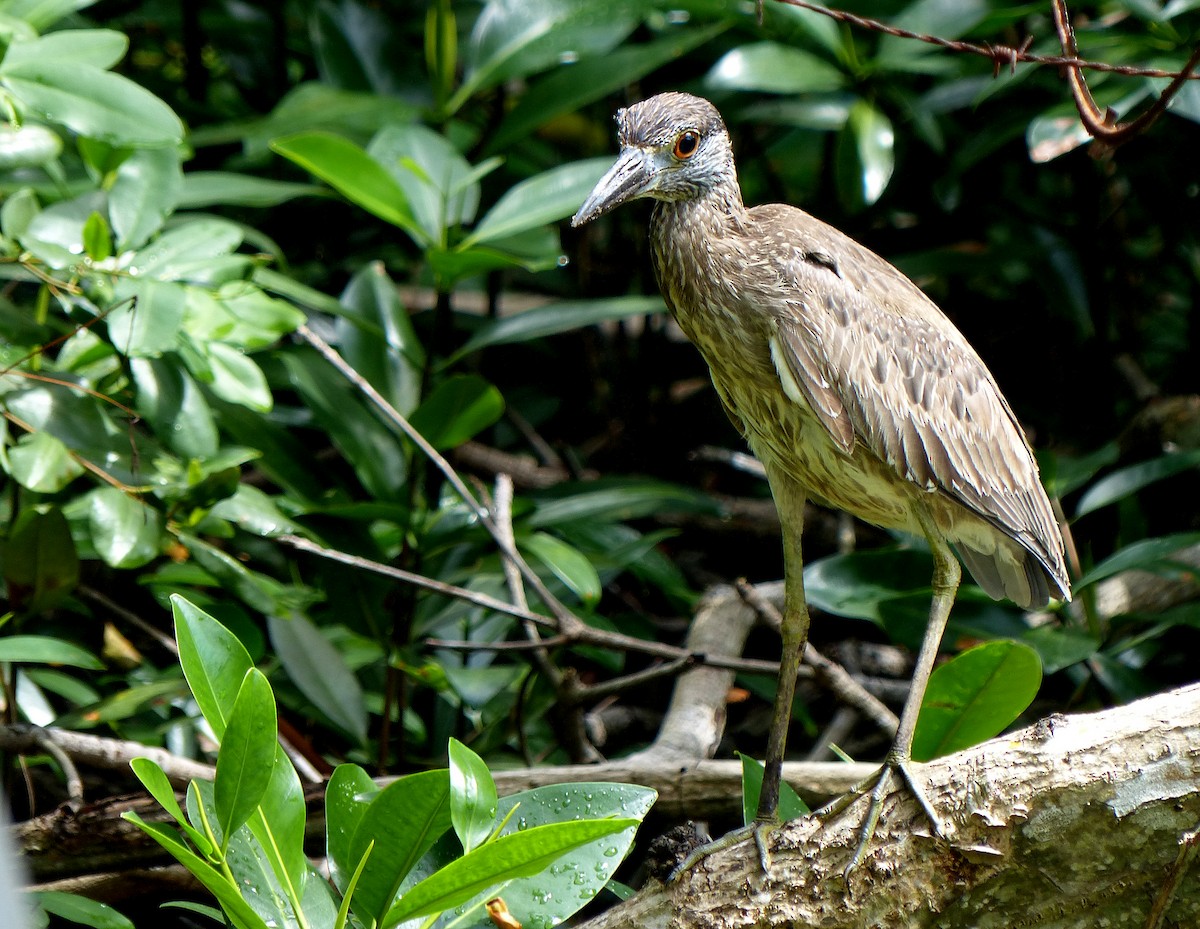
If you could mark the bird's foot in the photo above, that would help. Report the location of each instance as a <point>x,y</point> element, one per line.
<point>759,830</point>
<point>877,787</point>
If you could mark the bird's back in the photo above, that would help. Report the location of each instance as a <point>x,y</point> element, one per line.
<point>845,376</point>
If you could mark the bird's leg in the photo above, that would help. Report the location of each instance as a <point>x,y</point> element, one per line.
<point>789,500</point>
<point>946,575</point>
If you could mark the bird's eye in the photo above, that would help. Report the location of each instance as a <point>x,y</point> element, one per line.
<point>686,144</point>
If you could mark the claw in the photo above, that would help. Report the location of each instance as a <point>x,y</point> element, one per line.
<point>760,831</point>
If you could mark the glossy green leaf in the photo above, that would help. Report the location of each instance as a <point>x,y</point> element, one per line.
<point>28,146</point>
<point>378,340</point>
<point>244,762</point>
<point>42,463</point>
<point>80,910</point>
<point>171,401</point>
<point>854,585</point>
<point>974,696</point>
<point>100,48</point>
<point>143,194</point>
<point>155,781</point>
<point>92,102</point>
<point>371,447</point>
<point>1060,647</point>
<point>1129,480</point>
<point>348,793</point>
<point>774,68</point>
<point>435,177</point>
<point>618,501</point>
<point>40,563</point>
<point>790,805</point>
<point>227,893</point>
<point>147,321</point>
<point>513,38</point>
<point>456,410</point>
<point>567,89</point>
<point>186,248</point>
<point>557,893</point>
<point>866,156</point>
<point>278,826</point>
<point>567,563</point>
<point>354,174</point>
<point>517,855</point>
<point>320,673</point>
<point>214,661</point>
<point>125,532</point>
<point>236,377</point>
<point>97,240</point>
<point>228,188</point>
<point>254,511</point>
<point>17,212</point>
<point>543,321</point>
<point>1146,555</point>
<point>44,649</point>
<point>472,796</point>
<point>404,820</point>
<point>545,198</point>
<point>242,316</point>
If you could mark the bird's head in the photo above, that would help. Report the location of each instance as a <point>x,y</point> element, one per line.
<point>673,147</point>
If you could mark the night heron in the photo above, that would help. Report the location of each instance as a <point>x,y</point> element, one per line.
<point>849,385</point>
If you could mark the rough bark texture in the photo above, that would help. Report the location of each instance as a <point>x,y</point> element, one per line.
<point>1073,822</point>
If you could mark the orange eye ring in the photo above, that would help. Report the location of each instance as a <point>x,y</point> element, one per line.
<point>686,144</point>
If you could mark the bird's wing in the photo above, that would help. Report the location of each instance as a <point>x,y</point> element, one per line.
<point>870,351</point>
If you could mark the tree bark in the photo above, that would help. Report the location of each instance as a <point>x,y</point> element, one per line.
<point>1074,822</point>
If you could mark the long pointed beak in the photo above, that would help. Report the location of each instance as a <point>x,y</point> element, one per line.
<point>632,176</point>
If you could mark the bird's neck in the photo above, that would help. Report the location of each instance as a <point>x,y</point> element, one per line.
<point>717,210</point>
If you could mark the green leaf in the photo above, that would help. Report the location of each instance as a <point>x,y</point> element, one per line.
<point>227,893</point>
<point>567,89</point>
<point>144,193</point>
<point>214,662</point>
<point>80,910</point>
<point>186,248</point>
<point>437,180</point>
<point>403,821</point>
<point>100,48</point>
<point>227,188</point>
<point>456,410</point>
<point>567,563</point>
<point>278,826</point>
<point>544,198</point>
<point>97,240</point>
<point>157,785</point>
<point>513,39</point>
<point>378,340</point>
<point>790,805</point>
<point>171,401</point>
<point>254,511</point>
<point>320,672</point>
<point>520,854</point>
<point>618,501</point>
<point>125,532</point>
<point>44,649</point>
<point>855,585</point>
<point>472,796</point>
<point>42,463</point>
<point>543,321</point>
<point>352,173</point>
<point>237,378</point>
<point>92,102</point>
<point>774,68</point>
<point>40,563</point>
<point>347,796</point>
<point>148,320</point>
<point>1129,480</point>
<point>974,696</point>
<point>1146,555</point>
<point>251,736</point>
<point>28,146</point>
<point>1060,647</point>
<point>866,156</point>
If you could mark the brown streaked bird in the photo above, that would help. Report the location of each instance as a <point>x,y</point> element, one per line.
<point>850,386</point>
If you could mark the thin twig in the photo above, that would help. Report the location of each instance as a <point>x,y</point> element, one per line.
<point>830,673</point>
<point>45,740</point>
<point>567,620</point>
<point>1189,844</point>
<point>1000,54</point>
<point>130,617</point>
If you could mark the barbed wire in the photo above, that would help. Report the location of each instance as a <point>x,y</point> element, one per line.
<point>999,55</point>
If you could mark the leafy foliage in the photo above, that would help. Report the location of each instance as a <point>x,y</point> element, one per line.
<point>181,230</point>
